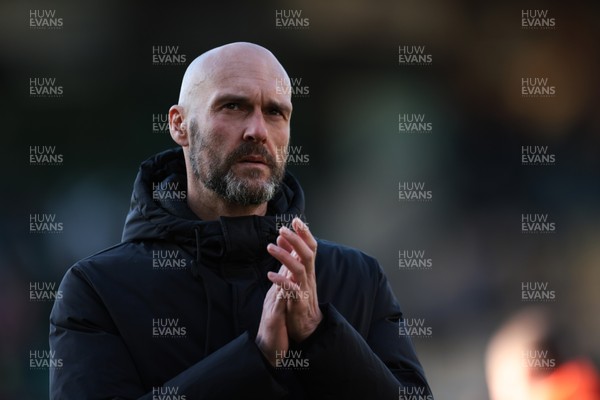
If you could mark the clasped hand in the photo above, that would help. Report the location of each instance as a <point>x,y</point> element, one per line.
<point>291,307</point>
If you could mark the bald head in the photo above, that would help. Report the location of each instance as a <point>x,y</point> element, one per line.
<point>229,61</point>
<point>233,123</point>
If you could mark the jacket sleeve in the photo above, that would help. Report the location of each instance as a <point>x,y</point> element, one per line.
<point>96,363</point>
<point>345,365</point>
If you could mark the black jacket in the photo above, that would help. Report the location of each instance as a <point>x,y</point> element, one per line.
<point>172,311</point>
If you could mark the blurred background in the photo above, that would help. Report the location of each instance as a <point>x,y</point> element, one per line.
<point>353,90</point>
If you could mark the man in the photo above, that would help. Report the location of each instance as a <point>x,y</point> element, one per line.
<point>257,312</point>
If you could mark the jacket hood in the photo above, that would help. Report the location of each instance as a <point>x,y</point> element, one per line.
<point>159,212</point>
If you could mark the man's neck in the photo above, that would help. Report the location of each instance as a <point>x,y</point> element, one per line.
<point>209,206</point>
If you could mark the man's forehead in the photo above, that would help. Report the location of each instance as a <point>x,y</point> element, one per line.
<point>241,72</point>
<point>248,86</point>
<point>241,68</point>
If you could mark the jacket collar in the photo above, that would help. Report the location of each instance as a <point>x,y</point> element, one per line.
<point>159,211</point>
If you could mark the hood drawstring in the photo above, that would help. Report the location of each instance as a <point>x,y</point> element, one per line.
<point>197,273</point>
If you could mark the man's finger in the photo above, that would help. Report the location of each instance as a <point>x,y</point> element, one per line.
<point>288,289</point>
<point>282,282</point>
<point>305,253</point>
<point>297,269</point>
<point>283,243</point>
<point>302,230</point>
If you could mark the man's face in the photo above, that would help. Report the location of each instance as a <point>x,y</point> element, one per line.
<point>239,132</point>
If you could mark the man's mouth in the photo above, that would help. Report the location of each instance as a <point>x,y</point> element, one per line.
<point>256,159</point>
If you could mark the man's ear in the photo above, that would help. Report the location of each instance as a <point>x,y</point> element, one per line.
<point>178,127</point>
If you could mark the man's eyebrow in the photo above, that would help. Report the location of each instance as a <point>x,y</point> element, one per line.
<point>237,98</point>
<point>279,106</point>
<point>230,98</point>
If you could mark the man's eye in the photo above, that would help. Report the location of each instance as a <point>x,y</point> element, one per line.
<point>275,111</point>
<point>232,106</point>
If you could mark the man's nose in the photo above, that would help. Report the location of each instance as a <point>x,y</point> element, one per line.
<point>256,130</point>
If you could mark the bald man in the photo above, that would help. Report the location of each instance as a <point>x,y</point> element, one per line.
<point>208,296</point>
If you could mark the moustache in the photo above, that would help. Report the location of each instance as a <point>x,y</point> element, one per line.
<point>247,149</point>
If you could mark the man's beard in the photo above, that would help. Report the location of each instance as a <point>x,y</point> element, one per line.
<point>217,174</point>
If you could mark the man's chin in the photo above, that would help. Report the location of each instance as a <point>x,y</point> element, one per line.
<point>255,183</point>
<point>249,169</point>
<point>250,195</point>
<point>252,172</point>
<point>255,186</point>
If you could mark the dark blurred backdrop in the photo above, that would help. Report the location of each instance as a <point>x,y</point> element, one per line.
<point>347,123</point>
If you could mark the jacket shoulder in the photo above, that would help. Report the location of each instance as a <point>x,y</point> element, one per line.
<point>119,253</point>
<point>339,257</point>
<point>119,263</point>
